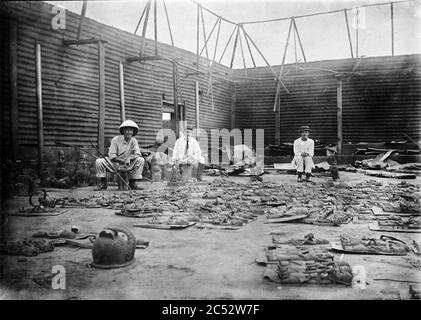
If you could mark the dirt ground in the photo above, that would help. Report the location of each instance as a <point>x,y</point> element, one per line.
<point>192,263</point>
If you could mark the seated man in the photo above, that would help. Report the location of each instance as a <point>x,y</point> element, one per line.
<point>303,154</point>
<point>187,151</point>
<point>124,151</point>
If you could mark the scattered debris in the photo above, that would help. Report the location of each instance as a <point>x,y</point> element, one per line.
<point>292,262</point>
<point>309,239</point>
<point>386,245</point>
<point>27,247</point>
<point>415,247</point>
<point>166,226</point>
<point>311,272</point>
<point>415,292</point>
<point>393,228</point>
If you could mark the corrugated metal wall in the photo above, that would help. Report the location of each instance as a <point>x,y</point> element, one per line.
<point>5,127</point>
<point>381,100</point>
<point>70,80</point>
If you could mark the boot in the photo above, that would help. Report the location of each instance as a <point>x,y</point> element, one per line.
<point>102,184</point>
<point>133,184</point>
<point>308,177</point>
<point>300,177</point>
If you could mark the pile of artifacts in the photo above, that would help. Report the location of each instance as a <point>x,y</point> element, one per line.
<point>406,146</point>
<point>221,203</point>
<point>304,261</point>
<point>383,166</point>
<point>46,241</point>
<point>334,204</point>
<point>394,206</point>
<point>311,260</point>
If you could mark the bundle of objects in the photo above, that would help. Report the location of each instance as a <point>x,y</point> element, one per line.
<point>383,166</point>
<point>304,262</point>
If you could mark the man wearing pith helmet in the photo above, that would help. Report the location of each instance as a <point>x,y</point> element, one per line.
<point>303,154</point>
<point>124,151</point>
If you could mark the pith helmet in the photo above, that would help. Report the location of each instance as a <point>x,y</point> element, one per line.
<point>129,124</point>
<point>114,248</point>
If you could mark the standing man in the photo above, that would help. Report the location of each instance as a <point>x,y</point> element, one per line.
<point>303,154</point>
<point>187,151</point>
<point>124,151</point>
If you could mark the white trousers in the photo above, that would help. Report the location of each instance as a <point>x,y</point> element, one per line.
<point>134,170</point>
<point>303,164</point>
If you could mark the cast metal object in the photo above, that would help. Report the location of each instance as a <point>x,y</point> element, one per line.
<point>39,200</point>
<point>113,248</point>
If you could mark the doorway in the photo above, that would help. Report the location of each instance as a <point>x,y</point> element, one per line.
<point>168,115</point>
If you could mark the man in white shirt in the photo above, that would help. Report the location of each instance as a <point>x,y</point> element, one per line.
<point>187,151</point>
<point>124,151</point>
<point>303,154</point>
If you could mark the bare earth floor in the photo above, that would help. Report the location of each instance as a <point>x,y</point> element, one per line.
<point>192,263</point>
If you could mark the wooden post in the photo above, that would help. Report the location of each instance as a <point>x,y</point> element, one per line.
<point>339,119</point>
<point>40,120</point>
<point>141,17</point>
<point>82,17</point>
<point>286,46</point>
<point>168,22</point>
<point>356,34</point>
<point>226,45</point>
<point>278,122</point>
<point>176,111</point>
<point>299,40</point>
<point>217,40</point>
<point>235,47</point>
<point>392,29</point>
<point>101,96</point>
<point>295,46</point>
<point>155,26</point>
<point>209,35</point>
<point>145,26</point>
<point>248,46</point>
<point>278,87</point>
<point>233,107</point>
<point>204,33</point>
<point>197,106</point>
<point>122,102</point>
<point>197,38</point>
<point>349,33</point>
<point>242,51</point>
<point>267,62</point>
<point>14,111</point>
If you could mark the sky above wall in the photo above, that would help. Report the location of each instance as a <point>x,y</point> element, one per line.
<point>323,37</point>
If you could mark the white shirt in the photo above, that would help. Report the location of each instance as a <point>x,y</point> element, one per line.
<point>301,146</point>
<point>121,149</point>
<point>194,152</point>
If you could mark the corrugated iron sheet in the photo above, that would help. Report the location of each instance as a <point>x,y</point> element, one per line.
<point>381,99</point>
<point>5,128</point>
<point>70,80</point>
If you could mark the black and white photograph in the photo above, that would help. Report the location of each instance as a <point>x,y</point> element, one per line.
<point>227,152</point>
